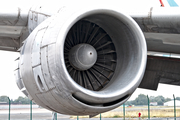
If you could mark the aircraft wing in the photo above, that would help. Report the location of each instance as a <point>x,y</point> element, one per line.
<point>13,27</point>
<point>85,61</point>
<point>161,28</point>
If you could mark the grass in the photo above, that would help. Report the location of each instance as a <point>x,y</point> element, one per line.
<point>159,113</point>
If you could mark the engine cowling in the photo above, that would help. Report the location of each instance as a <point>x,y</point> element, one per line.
<point>83,62</point>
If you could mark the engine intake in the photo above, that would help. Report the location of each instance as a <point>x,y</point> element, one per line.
<point>83,62</point>
<point>96,61</point>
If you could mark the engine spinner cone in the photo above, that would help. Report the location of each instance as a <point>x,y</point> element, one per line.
<point>82,56</point>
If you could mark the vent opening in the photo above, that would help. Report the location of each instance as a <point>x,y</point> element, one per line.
<point>40,83</point>
<point>103,104</point>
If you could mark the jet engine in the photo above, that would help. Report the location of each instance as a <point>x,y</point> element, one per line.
<point>82,62</point>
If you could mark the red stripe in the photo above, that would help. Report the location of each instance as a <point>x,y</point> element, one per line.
<point>162,4</point>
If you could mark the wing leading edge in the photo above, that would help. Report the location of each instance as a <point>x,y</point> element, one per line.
<point>13,25</point>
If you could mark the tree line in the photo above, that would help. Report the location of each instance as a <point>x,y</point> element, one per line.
<point>19,100</point>
<point>142,100</point>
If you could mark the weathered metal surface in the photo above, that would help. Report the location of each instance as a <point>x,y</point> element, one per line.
<point>161,70</point>
<point>161,42</point>
<point>10,31</point>
<point>43,55</point>
<point>48,81</point>
<point>158,20</point>
<point>9,42</point>
<point>13,22</point>
<point>13,16</point>
<point>162,54</point>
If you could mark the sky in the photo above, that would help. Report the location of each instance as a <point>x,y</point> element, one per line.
<point>128,3</point>
<point>8,85</point>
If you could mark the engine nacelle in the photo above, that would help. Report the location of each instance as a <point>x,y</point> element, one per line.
<point>83,62</point>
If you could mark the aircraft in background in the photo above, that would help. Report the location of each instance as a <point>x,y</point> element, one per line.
<point>86,57</point>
